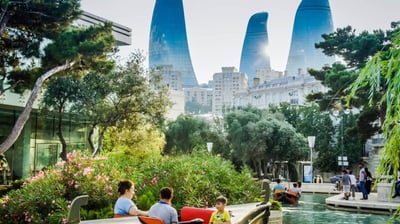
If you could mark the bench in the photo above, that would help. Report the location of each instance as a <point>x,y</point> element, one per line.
<point>191,214</point>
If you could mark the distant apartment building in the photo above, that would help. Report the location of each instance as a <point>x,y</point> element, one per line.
<point>170,77</point>
<point>290,89</point>
<point>200,97</point>
<point>226,84</point>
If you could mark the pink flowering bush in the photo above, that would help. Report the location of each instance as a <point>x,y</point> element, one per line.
<point>46,197</point>
<point>197,179</point>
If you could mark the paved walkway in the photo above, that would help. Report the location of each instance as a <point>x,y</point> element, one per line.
<point>372,205</point>
<point>314,188</point>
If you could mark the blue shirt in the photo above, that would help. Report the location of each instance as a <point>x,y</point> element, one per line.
<point>278,187</point>
<point>164,211</point>
<point>123,205</point>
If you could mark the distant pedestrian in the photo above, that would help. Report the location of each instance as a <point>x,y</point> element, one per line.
<point>346,184</point>
<point>353,184</point>
<point>362,179</point>
<point>368,180</point>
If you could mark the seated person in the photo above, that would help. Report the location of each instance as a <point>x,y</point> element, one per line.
<point>397,185</point>
<point>295,189</point>
<point>278,186</point>
<point>124,204</point>
<point>163,209</point>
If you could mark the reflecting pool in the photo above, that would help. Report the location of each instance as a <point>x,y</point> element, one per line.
<point>312,209</point>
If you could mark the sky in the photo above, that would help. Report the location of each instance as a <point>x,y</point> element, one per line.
<point>216,28</point>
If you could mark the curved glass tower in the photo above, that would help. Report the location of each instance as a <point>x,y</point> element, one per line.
<point>254,51</point>
<point>313,18</point>
<point>168,41</point>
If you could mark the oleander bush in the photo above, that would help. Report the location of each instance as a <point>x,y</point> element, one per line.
<point>197,179</point>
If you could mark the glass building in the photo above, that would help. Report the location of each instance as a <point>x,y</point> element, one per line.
<point>254,51</point>
<point>168,41</point>
<point>313,18</point>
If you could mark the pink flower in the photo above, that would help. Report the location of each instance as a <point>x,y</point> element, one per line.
<point>87,171</point>
<point>61,163</point>
<point>64,220</point>
<point>154,180</point>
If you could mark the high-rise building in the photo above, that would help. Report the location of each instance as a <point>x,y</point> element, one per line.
<point>254,52</point>
<point>226,84</point>
<point>168,41</point>
<point>170,77</point>
<point>313,18</point>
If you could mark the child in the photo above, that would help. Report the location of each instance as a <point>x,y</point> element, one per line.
<point>220,216</point>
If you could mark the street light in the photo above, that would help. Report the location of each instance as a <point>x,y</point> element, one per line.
<point>209,146</point>
<point>342,159</point>
<point>311,144</point>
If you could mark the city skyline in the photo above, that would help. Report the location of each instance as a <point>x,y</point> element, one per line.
<point>227,21</point>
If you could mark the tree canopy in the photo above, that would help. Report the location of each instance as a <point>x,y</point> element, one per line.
<point>257,138</point>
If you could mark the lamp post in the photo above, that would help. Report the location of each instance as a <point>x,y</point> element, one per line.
<point>311,144</point>
<point>342,159</point>
<point>209,146</point>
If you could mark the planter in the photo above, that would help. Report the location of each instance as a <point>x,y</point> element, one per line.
<point>385,193</point>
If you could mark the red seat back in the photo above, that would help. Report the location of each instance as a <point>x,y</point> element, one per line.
<point>189,213</point>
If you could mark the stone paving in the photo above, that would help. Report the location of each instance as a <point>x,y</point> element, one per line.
<point>372,205</point>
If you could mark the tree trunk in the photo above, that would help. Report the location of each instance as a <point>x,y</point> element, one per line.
<point>100,143</point>
<point>64,146</point>
<point>90,139</point>
<point>19,124</point>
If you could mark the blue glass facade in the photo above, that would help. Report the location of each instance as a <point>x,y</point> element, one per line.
<point>168,41</point>
<point>254,51</point>
<point>313,18</point>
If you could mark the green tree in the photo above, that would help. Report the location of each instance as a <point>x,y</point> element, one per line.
<point>196,108</point>
<point>355,49</point>
<point>122,98</point>
<point>24,25</point>
<point>385,65</point>
<point>79,49</point>
<point>257,138</point>
<point>187,132</point>
<point>59,95</point>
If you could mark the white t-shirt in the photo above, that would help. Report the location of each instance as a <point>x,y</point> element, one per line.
<point>353,179</point>
<point>362,175</point>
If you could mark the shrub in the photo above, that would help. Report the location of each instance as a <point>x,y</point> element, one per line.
<point>45,197</point>
<point>197,180</point>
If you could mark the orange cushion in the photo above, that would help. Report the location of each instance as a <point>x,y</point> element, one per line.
<point>148,220</point>
<point>189,213</point>
<point>120,216</point>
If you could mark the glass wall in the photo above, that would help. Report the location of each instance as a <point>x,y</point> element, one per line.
<point>39,146</point>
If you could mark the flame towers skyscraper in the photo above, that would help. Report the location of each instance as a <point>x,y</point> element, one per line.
<point>254,51</point>
<point>168,41</point>
<point>313,18</point>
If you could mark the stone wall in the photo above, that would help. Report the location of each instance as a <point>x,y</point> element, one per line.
<point>275,217</point>
<point>385,193</point>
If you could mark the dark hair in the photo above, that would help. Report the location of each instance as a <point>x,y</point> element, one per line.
<point>222,200</point>
<point>124,185</point>
<point>299,184</point>
<point>344,171</point>
<point>294,184</point>
<point>278,180</point>
<point>350,172</point>
<point>166,192</point>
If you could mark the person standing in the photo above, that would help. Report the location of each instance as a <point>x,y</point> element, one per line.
<point>353,184</point>
<point>346,184</point>
<point>397,185</point>
<point>163,209</point>
<point>362,182</point>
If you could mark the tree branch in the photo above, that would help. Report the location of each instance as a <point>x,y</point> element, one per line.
<point>19,124</point>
